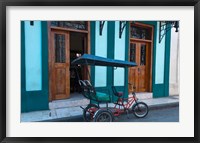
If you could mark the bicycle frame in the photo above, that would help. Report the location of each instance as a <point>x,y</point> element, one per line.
<point>92,60</point>
<point>130,100</point>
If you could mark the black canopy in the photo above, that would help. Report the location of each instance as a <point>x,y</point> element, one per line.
<point>100,61</point>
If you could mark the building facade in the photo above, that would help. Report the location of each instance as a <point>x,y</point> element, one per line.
<point>174,63</point>
<point>48,47</point>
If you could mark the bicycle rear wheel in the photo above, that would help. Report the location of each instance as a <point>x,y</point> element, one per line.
<point>103,116</point>
<point>140,109</point>
<point>89,111</point>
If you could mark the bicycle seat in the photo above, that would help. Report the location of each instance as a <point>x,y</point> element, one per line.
<point>116,93</point>
<point>119,94</point>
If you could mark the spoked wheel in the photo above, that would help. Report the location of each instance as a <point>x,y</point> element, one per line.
<point>89,111</point>
<point>140,109</point>
<point>103,116</point>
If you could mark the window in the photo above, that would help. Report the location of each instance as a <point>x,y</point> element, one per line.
<point>59,48</point>
<point>132,52</point>
<point>143,55</point>
<point>140,33</point>
<point>79,25</point>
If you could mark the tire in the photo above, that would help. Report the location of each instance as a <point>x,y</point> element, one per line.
<point>103,115</point>
<point>140,109</point>
<point>89,112</point>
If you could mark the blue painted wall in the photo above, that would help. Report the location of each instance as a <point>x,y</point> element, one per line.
<point>34,64</point>
<point>33,56</point>
<point>160,59</point>
<point>119,53</point>
<point>101,50</point>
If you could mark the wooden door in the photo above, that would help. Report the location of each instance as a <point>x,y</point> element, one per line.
<point>59,58</point>
<point>139,76</point>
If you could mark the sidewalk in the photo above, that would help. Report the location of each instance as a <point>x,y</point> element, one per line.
<point>58,113</point>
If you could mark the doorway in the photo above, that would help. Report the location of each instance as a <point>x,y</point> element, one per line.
<point>59,59</point>
<point>140,52</point>
<point>139,76</point>
<point>78,46</point>
<point>65,45</point>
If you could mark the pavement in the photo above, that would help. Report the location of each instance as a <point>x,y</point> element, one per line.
<point>60,112</point>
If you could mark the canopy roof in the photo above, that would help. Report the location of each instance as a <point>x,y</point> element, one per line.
<point>100,61</point>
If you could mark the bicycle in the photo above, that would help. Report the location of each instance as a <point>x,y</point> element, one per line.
<point>139,108</point>
<point>93,112</point>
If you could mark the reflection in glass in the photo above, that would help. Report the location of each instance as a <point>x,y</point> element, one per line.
<point>143,55</point>
<point>80,25</point>
<point>59,48</point>
<point>140,33</point>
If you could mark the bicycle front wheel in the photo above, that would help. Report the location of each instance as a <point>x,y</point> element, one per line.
<point>140,109</point>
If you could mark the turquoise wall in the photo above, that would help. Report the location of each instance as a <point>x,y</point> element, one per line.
<point>160,59</point>
<point>115,48</point>
<point>33,55</point>
<point>101,50</point>
<point>119,53</point>
<point>34,64</point>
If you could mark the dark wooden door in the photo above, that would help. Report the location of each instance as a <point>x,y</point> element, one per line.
<point>139,53</point>
<point>59,58</point>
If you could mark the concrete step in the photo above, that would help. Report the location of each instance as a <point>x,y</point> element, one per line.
<point>74,101</point>
<point>144,95</point>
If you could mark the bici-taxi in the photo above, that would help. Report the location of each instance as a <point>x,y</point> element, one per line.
<point>99,108</point>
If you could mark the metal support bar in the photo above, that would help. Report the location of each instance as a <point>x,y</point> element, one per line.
<point>165,27</point>
<point>122,25</point>
<point>101,25</point>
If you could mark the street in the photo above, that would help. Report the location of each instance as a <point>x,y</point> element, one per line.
<point>159,115</point>
<point>170,114</point>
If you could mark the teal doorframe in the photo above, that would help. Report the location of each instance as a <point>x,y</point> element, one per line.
<point>110,53</point>
<point>23,82</point>
<point>35,100</point>
<point>92,49</point>
<point>126,57</point>
<point>167,62</point>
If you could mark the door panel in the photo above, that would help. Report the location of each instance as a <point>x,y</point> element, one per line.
<point>60,81</point>
<point>133,78</point>
<point>60,64</point>
<point>142,67</point>
<point>139,75</point>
